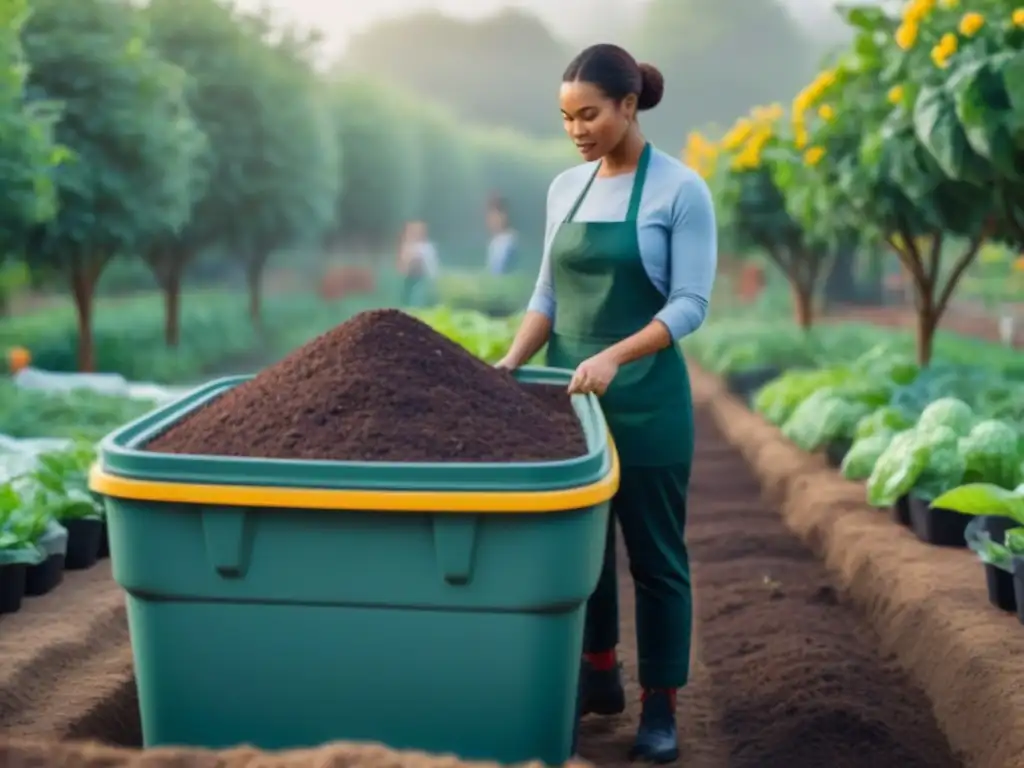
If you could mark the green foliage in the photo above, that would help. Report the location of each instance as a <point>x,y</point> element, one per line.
<point>33,504</point>
<point>27,151</point>
<point>125,122</point>
<point>382,170</point>
<point>79,414</point>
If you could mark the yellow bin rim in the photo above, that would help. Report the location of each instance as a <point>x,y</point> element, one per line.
<point>505,502</point>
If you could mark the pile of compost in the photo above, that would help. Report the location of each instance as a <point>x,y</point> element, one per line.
<point>383,386</point>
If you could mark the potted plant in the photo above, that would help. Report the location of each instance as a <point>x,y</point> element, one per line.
<point>62,488</point>
<point>986,535</point>
<point>19,533</point>
<point>46,575</point>
<point>987,501</point>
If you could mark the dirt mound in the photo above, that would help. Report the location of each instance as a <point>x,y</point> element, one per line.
<point>381,387</point>
<point>35,755</point>
<point>66,664</point>
<point>795,673</point>
<point>927,604</point>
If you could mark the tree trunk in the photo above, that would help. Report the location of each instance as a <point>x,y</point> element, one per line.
<point>168,267</point>
<point>85,273</point>
<point>803,303</point>
<point>927,322</point>
<point>172,305</point>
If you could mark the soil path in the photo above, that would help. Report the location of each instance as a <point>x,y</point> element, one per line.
<point>787,674</point>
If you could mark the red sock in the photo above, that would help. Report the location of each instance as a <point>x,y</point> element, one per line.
<point>670,691</point>
<point>604,661</point>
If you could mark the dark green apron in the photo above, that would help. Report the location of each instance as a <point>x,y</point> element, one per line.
<point>603,296</point>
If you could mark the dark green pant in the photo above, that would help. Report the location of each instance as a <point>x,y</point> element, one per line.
<point>650,507</point>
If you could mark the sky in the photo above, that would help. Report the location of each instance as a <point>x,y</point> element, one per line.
<point>338,19</point>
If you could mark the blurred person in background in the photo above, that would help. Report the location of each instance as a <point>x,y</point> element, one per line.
<point>418,264</point>
<point>628,267</point>
<point>501,250</point>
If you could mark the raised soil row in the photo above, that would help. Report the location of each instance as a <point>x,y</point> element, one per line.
<point>928,605</point>
<point>785,670</point>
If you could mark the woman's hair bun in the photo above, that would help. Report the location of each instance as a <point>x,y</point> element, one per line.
<point>652,87</point>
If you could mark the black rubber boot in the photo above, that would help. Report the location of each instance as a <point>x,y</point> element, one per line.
<point>601,691</point>
<point>656,740</point>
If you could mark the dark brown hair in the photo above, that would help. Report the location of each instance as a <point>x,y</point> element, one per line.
<point>617,74</point>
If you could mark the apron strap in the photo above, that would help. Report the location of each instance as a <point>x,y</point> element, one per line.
<point>638,184</point>
<point>579,200</point>
<point>633,212</point>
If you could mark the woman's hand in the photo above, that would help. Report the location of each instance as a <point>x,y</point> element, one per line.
<point>507,363</point>
<point>594,375</point>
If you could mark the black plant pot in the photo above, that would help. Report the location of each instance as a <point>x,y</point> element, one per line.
<point>836,451</point>
<point>901,511</point>
<point>937,526</point>
<point>83,543</point>
<point>999,583</point>
<point>12,587</point>
<point>1018,586</point>
<point>43,578</point>
<point>744,384</point>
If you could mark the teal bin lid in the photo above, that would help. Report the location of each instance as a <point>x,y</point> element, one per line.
<point>122,454</point>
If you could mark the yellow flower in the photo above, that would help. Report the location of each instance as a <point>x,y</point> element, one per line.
<point>971,24</point>
<point>814,155</point>
<point>1018,264</point>
<point>917,11</point>
<point>942,52</point>
<point>827,113</point>
<point>738,134</point>
<point>897,94</point>
<point>906,35</point>
<point>1018,17</point>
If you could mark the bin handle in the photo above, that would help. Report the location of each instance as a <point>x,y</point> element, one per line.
<point>228,538</point>
<point>455,538</point>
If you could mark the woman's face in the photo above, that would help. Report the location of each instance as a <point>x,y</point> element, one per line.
<point>595,123</point>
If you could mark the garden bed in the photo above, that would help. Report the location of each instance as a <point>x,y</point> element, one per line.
<point>928,605</point>
<point>784,669</point>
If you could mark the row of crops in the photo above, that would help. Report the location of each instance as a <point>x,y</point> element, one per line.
<point>941,447</point>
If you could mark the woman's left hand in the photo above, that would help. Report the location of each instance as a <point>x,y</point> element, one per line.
<point>594,375</point>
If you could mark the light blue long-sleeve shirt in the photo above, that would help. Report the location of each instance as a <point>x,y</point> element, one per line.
<point>676,229</point>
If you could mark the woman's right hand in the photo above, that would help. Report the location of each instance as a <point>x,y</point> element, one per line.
<point>507,363</point>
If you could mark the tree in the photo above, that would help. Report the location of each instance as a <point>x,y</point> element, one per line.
<point>27,151</point>
<point>897,164</point>
<point>380,163</point>
<point>293,171</point>
<point>751,179</point>
<point>203,38</point>
<point>133,141</point>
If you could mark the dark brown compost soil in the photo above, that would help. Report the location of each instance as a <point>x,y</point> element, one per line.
<point>383,386</point>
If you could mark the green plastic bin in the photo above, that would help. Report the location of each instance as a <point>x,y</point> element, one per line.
<point>286,604</point>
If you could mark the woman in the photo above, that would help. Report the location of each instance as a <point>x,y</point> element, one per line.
<point>501,250</point>
<point>417,263</point>
<point>630,258</point>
